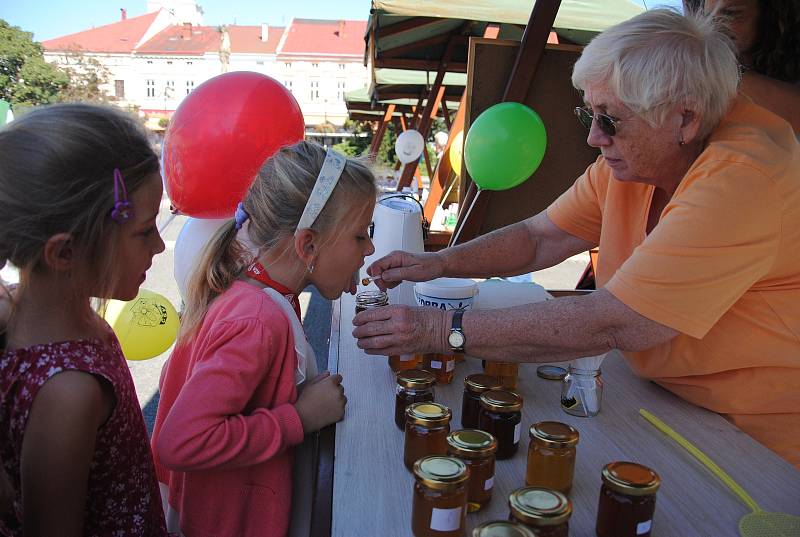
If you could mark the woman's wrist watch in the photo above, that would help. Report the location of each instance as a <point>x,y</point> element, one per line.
<point>456,337</point>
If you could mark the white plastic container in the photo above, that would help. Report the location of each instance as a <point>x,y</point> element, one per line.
<point>446,293</point>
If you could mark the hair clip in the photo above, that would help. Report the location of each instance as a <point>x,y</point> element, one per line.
<point>240,216</point>
<point>123,209</point>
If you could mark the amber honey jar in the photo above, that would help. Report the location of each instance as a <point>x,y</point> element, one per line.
<point>403,362</point>
<point>476,448</point>
<point>373,298</point>
<point>507,372</point>
<point>627,500</point>
<point>500,415</point>
<point>551,456</point>
<point>474,386</point>
<point>427,427</point>
<point>441,365</point>
<point>413,386</point>
<point>545,511</point>
<point>501,528</point>
<point>439,506</point>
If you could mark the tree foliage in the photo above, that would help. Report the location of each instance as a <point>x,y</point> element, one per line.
<point>360,143</point>
<point>25,78</point>
<point>87,76</point>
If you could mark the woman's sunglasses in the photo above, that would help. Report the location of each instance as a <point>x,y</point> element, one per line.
<point>607,124</point>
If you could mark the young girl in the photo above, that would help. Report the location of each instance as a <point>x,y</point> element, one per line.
<point>231,410</point>
<point>79,193</point>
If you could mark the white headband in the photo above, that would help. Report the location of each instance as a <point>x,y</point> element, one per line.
<point>328,176</point>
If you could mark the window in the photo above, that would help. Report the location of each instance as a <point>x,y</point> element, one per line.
<point>150,62</point>
<point>188,63</point>
<point>170,83</point>
<point>259,62</point>
<point>314,90</point>
<point>189,86</point>
<point>119,89</point>
<point>315,65</point>
<point>151,88</point>
<point>287,84</point>
<point>169,62</point>
<point>340,90</point>
<point>288,65</point>
<point>341,67</point>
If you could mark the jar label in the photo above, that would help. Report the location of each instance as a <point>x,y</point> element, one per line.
<point>488,484</point>
<point>643,527</point>
<point>446,519</point>
<point>517,429</point>
<point>436,364</point>
<point>451,364</point>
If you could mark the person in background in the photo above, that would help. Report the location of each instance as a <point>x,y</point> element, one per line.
<point>80,190</point>
<point>241,389</point>
<point>695,206</point>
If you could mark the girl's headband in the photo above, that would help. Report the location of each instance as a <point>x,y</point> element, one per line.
<point>328,176</point>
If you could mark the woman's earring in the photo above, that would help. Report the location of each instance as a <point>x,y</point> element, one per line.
<point>681,142</point>
<point>310,268</point>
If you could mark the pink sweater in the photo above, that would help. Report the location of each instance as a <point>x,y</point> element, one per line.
<point>226,420</point>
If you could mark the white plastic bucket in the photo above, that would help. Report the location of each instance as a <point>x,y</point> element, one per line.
<point>446,293</point>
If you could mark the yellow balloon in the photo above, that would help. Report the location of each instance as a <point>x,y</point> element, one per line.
<point>456,152</point>
<point>145,326</point>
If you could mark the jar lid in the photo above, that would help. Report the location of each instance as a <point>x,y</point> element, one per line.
<point>440,473</point>
<point>471,444</point>
<point>479,383</point>
<point>630,478</point>
<point>372,298</point>
<point>416,379</point>
<point>428,414</point>
<point>537,506</point>
<point>551,372</point>
<point>501,528</point>
<point>554,434</point>
<point>501,400</point>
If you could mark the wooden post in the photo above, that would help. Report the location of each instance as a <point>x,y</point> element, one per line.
<point>380,131</point>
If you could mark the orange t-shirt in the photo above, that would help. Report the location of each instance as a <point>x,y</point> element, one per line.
<point>722,266</point>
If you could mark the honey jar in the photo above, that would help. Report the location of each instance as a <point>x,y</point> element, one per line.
<point>500,415</point>
<point>413,386</point>
<point>375,298</point>
<point>476,448</point>
<point>439,505</point>
<point>501,528</point>
<point>441,365</point>
<point>427,427</point>
<point>551,456</point>
<point>627,500</point>
<point>544,511</point>
<point>474,386</point>
<point>507,372</point>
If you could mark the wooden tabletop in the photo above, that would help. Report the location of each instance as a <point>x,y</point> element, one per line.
<point>372,490</point>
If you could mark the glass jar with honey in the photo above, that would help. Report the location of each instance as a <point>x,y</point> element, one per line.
<point>427,427</point>
<point>441,365</point>
<point>476,448</point>
<point>374,298</point>
<point>500,415</point>
<point>627,500</point>
<point>544,511</point>
<point>551,456</point>
<point>507,372</point>
<point>439,506</point>
<point>474,386</point>
<point>501,528</point>
<point>413,386</point>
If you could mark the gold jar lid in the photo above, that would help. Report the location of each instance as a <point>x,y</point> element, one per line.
<point>372,299</point>
<point>554,434</point>
<point>501,400</point>
<point>428,414</point>
<point>501,528</point>
<point>471,444</point>
<point>479,383</point>
<point>440,473</point>
<point>416,379</point>
<point>630,478</point>
<point>537,506</point>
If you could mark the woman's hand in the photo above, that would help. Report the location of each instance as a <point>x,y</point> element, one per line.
<point>398,266</point>
<point>395,330</point>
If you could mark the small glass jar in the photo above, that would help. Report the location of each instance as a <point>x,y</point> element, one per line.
<point>373,298</point>
<point>413,386</point>
<point>474,386</point>
<point>507,372</point>
<point>427,427</point>
<point>627,500</point>
<point>439,506</point>
<point>441,365</point>
<point>582,392</point>
<point>403,362</point>
<point>476,448</point>
<point>500,415</point>
<point>551,456</point>
<point>544,511</point>
<point>501,528</point>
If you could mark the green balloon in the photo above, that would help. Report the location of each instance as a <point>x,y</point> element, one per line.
<point>504,146</point>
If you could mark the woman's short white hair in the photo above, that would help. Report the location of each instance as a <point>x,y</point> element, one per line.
<point>660,59</point>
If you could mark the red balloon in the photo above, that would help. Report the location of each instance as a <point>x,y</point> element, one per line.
<point>220,136</point>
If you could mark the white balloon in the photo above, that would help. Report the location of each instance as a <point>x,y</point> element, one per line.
<point>194,235</point>
<point>409,146</point>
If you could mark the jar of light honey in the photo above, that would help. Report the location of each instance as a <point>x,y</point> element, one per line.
<point>501,528</point>
<point>627,500</point>
<point>500,415</point>
<point>474,386</point>
<point>544,511</point>
<point>375,298</point>
<point>507,372</point>
<point>427,427</point>
<point>439,505</point>
<point>476,448</point>
<point>551,456</point>
<point>413,386</point>
<point>441,365</point>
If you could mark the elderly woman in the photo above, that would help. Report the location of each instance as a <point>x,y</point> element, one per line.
<point>695,205</point>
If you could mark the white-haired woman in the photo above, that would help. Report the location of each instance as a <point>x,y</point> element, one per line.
<point>695,205</point>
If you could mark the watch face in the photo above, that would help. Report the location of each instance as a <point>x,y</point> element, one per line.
<point>456,339</point>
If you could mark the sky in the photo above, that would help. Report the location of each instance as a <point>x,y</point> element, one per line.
<point>54,18</point>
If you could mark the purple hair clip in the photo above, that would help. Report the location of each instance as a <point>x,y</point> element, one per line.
<point>240,216</point>
<point>123,209</point>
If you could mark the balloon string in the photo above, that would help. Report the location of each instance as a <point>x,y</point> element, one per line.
<point>466,217</point>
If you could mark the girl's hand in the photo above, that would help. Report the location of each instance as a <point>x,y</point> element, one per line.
<point>398,266</point>
<point>321,402</point>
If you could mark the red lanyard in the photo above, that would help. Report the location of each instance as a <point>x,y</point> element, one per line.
<point>259,273</point>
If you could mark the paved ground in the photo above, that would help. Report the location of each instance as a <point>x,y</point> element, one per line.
<point>316,309</point>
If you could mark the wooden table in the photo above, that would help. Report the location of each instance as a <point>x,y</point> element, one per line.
<point>372,490</point>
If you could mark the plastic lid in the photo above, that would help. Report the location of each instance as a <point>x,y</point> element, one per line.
<point>554,434</point>
<point>428,414</point>
<point>437,472</point>
<point>416,379</point>
<point>537,506</point>
<point>501,400</point>
<point>630,478</point>
<point>501,528</point>
<point>447,288</point>
<point>551,372</point>
<point>479,383</point>
<point>471,444</point>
